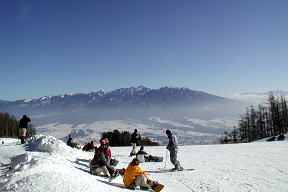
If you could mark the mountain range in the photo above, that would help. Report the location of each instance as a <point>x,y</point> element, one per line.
<point>194,116</point>
<point>124,97</point>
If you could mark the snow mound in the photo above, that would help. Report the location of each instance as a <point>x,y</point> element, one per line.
<point>50,144</point>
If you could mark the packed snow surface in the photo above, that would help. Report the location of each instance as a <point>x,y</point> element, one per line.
<point>48,164</point>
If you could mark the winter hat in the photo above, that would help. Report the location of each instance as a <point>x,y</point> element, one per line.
<point>135,161</point>
<point>142,148</point>
<point>168,132</point>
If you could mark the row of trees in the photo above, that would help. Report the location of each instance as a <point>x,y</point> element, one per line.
<point>9,127</point>
<point>268,120</point>
<point>117,138</point>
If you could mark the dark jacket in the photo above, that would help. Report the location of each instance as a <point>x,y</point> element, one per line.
<point>135,137</point>
<point>24,122</point>
<point>101,157</point>
<point>71,143</point>
<point>88,147</point>
<point>173,143</point>
<point>142,152</point>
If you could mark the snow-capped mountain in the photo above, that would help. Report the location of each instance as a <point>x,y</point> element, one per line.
<point>194,116</point>
<point>136,97</point>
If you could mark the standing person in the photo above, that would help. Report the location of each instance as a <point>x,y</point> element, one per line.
<point>23,125</point>
<point>173,148</point>
<point>135,178</point>
<point>135,137</point>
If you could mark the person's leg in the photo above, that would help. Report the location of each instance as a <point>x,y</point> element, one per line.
<point>22,139</point>
<point>141,181</point>
<point>112,171</point>
<point>173,159</point>
<point>133,152</point>
<point>99,170</point>
<point>24,134</point>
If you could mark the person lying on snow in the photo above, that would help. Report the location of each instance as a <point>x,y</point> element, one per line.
<point>143,156</point>
<point>101,161</point>
<point>135,178</point>
<point>72,144</point>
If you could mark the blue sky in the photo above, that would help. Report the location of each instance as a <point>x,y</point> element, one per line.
<point>50,47</point>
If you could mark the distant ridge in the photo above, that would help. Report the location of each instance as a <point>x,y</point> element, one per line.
<point>125,97</point>
<point>257,97</point>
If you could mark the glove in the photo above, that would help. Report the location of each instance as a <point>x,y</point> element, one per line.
<point>149,182</point>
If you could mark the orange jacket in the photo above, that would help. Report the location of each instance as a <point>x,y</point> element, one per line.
<point>131,173</point>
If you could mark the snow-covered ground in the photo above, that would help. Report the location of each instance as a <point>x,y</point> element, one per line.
<point>47,164</point>
<point>188,130</point>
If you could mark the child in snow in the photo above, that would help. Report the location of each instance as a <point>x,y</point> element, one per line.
<point>135,178</point>
<point>173,148</point>
<point>101,161</point>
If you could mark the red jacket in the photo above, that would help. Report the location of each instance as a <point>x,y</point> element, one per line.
<point>106,151</point>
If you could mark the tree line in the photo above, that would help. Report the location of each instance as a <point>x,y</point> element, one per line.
<point>117,138</point>
<point>9,127</point>
<point>270,119</point>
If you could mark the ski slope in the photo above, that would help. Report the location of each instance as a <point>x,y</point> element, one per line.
<point>47,164</point>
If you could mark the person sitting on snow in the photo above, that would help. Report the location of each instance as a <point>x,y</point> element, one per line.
<point>101,161</point>
<point>72,144</point>
<point>142,155</point>
<point>135,178</point>
<point>88,147</point>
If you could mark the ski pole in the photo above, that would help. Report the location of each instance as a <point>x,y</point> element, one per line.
<point>166,158</point>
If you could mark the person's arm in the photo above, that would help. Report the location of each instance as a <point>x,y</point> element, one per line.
<point>108,152</point>
<point>139,171</point>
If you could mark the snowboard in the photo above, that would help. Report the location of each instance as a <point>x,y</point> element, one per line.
<point>158,187</point>
<point>168,170</point>
<point>173,170</point>
<point>114,177</point>
<point>119,172</point>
